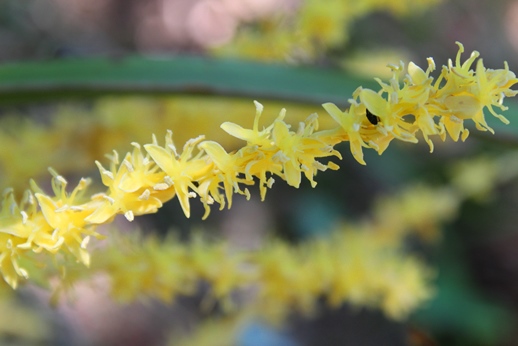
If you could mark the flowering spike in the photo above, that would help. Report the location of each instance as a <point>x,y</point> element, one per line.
<point>400,109</point>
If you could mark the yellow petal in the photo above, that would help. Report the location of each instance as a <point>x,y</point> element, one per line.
<point>464,106</point>
<point>105,212</point>
<point>376,104</point>
<point>182,192</point>
<point>162,157</point>
<point>236,130</point>
<point>48,208</point>
<point>416,73</point>
<point>292,173</point>
<point>217,153</point>
<point>334,112</point>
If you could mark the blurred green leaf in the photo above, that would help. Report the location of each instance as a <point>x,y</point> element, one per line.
<point>51,80</point>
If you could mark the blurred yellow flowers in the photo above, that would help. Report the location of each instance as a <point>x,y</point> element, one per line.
<point>305,33</point>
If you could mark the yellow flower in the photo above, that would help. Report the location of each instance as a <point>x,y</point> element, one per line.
<point>350,121</point>
<point>257,156</point>
<point>467,92</point>
<point>181,170</point>
<point>360,127</point>
<point>227,171</point>
<point>368,272</point>
<point>253,137</point>
<point>306,34</point>
<point>404,282</point>
<point>67,219</point>
<point>390,112</point>
<point>22,228</point>
<point>285,281</point>
<point>9,254</point>
<point>413,100</point>
<point>135,188</point>
<point>297,151</point>
<point>217,265</point>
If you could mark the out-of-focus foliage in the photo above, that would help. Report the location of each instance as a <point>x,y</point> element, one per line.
<point>307,33</point>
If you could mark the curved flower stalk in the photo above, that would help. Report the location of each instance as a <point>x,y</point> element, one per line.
<point>145,179</point>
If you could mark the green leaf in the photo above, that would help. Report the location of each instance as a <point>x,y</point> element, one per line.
<point>85,78</point>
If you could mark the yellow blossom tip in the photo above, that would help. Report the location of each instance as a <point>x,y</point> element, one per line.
<point>431,63</point>
<point>461,46</point>
<point>258,106</point>
<point>53,172</point>
<point>129,215</point>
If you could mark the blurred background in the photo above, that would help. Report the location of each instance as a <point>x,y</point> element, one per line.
<point>54,29</point>
<point>476,259</point>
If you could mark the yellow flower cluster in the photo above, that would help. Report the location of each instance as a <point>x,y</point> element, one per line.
<point>348,267</point>
<point>351,266</point>
<point>166,268</point>
<point>44,223</point>
<point>310,29</point>
<point>152,174</point>
<point>422,104</point>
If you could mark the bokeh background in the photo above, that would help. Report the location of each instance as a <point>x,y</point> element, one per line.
<point>476,260</point>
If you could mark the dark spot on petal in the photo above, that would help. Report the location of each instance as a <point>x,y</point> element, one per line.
<point>374,119</point>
